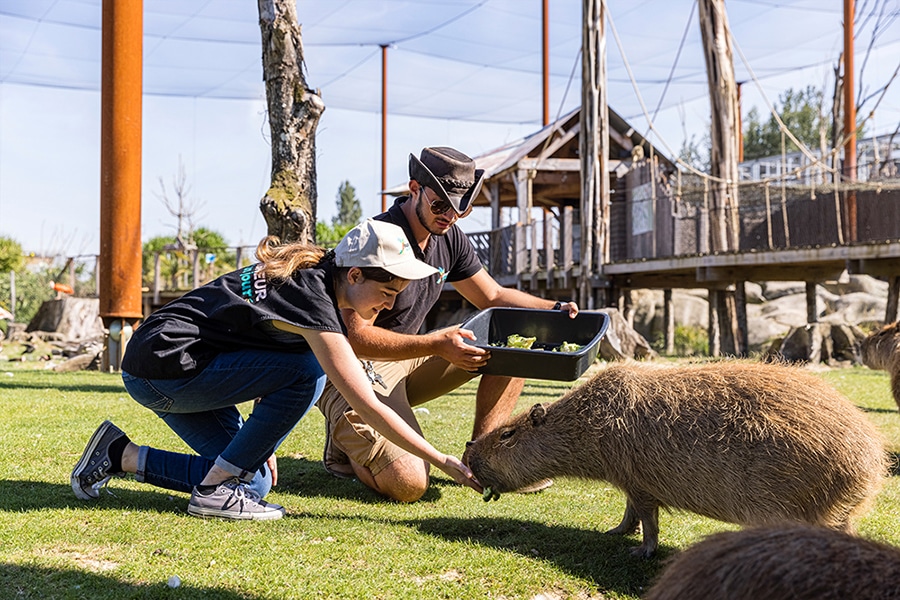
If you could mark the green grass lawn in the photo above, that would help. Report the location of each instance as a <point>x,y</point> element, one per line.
<point>339,540</point>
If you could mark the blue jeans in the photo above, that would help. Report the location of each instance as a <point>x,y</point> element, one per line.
<point>202,410</point>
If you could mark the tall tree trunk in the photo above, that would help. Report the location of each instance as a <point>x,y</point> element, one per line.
<point>724,131</point>
<point>725,136</point>
<point>289,205</point>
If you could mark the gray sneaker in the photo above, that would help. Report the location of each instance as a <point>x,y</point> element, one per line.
<point>92,471</point>
<point>233,499</point>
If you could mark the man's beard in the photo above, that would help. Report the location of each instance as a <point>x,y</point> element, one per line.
<point>423,220</point>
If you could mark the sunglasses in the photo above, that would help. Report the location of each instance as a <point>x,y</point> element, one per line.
<point>440,206</point>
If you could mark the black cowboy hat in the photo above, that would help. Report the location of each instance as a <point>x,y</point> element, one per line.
<point>450,174</point>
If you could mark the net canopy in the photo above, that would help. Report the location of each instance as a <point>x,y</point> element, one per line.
<point>474,60</point>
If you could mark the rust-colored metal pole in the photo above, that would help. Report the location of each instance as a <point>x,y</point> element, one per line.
<point>383,127</point>
<point>120,169</point>
<point>849,118</point>
<point>546,59</point>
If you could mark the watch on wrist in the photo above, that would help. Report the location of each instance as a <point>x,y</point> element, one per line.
<point>557,306</point>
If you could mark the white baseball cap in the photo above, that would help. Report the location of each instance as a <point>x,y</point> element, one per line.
<point>381,244</point>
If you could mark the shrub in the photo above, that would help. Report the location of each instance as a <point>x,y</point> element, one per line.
<point>690,340</point>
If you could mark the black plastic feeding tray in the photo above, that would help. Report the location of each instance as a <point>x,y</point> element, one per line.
<point>493,326</point>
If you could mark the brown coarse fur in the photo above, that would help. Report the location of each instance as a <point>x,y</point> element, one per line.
<point>881,351</point>
<point>741,442</point>
<point>782,562</point>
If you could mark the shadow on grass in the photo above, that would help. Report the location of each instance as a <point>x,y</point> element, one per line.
<point>91,388</point>
<point>303,477</point>
<point>545,395</point>
<point>883,411</point>
<point>30,581</point>
<point>297,477</point>
<point>584,553</point>
<point>21,495</point>
<point>587,554</point>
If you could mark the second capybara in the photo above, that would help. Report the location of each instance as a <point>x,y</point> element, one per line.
<point>881,351</point>
<point>781,562</point>
<point>746,443</point>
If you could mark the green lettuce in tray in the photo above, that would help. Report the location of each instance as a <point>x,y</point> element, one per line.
<point>526,343</point>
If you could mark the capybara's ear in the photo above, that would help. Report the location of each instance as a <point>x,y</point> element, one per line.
<point>538,415</point>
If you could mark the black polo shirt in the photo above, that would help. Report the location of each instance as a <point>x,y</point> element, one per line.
<point>233,312</point>
<point>453,256</point>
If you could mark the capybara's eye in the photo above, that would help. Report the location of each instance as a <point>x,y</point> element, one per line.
<point>507,434</point>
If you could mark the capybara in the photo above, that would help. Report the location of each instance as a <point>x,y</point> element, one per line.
<point>881,351</point>
<point>742,442</point>
<point>781,562</point>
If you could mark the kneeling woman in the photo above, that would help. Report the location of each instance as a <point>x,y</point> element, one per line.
<point>269,332</point>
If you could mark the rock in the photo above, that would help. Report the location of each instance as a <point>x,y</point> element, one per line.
<point>72,318</point>
<point>772,290</point>
<point>82,362</point>
<point>856,307</point>
<point>754,293</point>
<point>774,310</point>
<point>622,341</point>
<point>832,344</point>
<point>762,329</point>
<point>857,283</point>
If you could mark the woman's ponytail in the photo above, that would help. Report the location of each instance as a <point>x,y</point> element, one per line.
<point>281,261</point>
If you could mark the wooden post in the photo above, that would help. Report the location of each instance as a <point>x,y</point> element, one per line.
<point>533,253</point>
<point>12,294</point>
<point>740,301</point>
<point>520,233</point>
<point>594,148</point>
<point>549,253</point>
<point>812,313</point>
<point>156,278</point>
<point>669,318</point>
<point>566,233</point>
<point>740,125</point>
<point>890,309</point>
<point>565,237</point>
<point>195,267</point>
<point>731,343</point>
<point>715,337</point>
<point>495,204</point>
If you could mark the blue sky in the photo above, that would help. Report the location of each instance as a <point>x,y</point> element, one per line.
<point>464,73</point>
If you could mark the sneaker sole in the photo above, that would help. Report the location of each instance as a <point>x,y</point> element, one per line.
<point>198,511</point>
<point>80,492</point>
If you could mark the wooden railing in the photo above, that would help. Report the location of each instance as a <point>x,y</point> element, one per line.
<point>774,219</point>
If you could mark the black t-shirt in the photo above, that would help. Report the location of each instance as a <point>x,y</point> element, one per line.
<point>453,256</point>
<point>233,312</point>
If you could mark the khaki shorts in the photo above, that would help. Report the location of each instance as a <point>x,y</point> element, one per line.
<point>407,383</point>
